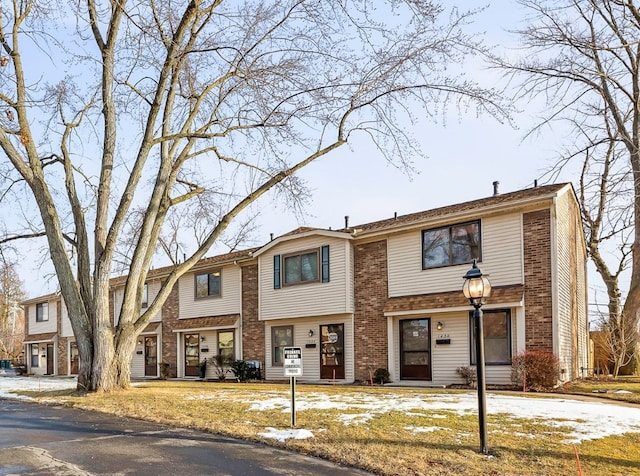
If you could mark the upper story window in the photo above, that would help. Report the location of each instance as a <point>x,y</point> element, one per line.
<point>145,296</point>
<point>208,284</point>
<point>42,312</point>
<point>309,266</point>
<point>450,245</point>
<point>301,268</point>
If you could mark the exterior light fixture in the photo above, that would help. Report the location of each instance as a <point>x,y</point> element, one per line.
<point>202,338</point>
<point>476,288</point>
<point>310,332</point>
<point>440,325</point>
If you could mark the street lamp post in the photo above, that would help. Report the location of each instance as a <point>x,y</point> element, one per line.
<point>476,288</point>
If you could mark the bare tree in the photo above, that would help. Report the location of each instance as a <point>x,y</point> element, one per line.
<point>583,59</point>
<point>11,315</point>
<point>153,103</point>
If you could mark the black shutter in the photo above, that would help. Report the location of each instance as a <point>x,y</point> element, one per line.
<point>276,272</point>
<point>325,263</point>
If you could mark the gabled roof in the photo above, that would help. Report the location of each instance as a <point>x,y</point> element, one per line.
<point>519,197</point>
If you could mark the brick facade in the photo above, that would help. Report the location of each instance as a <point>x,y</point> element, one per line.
<point>170,312</point>
<point>253,333</point>
<point>370,292</point>
<point>537,276</point>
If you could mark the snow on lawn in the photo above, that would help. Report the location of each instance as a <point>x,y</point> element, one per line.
<point>9,385</point>
<point>578,420</point>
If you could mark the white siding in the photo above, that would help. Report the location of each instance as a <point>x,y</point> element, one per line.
<point>230,301</point>
<point>50,325</point>
<point>310,356</point>
<point>312,299</point>
<point>153,288</point>
<point>446,358</point>
<point>65,325</point>
<point>501,258</point>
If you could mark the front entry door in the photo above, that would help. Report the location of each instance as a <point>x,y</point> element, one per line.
<point>50,359</point>
<point>191,355</point>
<point>415,349</point>
<point>151,356</point>
<point>332,351</point>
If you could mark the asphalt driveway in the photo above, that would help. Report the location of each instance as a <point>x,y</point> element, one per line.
<point>54,440</point>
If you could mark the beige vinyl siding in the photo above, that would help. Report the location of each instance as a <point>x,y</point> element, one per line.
<point>153,288</point>
<point>310,356</point>
<point>501,258</point>
<point>446,358</point>
<point>137,362</point>
<point>46,326</point>
<point>65,324</point>
<point>229,302</point>
<point>310,299</point>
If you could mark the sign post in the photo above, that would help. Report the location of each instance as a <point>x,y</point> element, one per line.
<point>293,369</point>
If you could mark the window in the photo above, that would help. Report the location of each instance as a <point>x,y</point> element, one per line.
<point>145,296</point>
<point>35,356</point>
<point>225,346</point>
<point>451,245</point>
<point>309,266</point>
<point>281,337</point>
<point>497,337</point>
<point>208,284</point>
<point>301,268</point>
<point>42,312</point>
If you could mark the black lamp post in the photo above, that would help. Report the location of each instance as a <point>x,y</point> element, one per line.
<point>476,288</point>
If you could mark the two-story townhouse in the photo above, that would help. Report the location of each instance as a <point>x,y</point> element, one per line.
<point>42,334</point>
<point>388,294</point>
<point>380,295</point>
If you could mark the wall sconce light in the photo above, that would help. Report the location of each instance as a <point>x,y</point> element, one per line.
<point>202,338</point>
<point>310,332</point>
<point>140,341</point>
<point>440,325</point>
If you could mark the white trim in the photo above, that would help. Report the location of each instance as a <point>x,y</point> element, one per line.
<point>200,329</point>
<point>555,324</point>
<point>313,232</point>
<point>391,350</point>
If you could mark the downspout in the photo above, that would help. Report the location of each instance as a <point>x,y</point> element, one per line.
<point>555,324</point>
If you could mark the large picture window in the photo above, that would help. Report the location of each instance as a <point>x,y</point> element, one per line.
<point>208,284</point>
<point>281,337</point>
<point>42,312</point>
<point>497,337</point>
<point>301,268</point>
<point>35,356</point>
<point>451,245</point>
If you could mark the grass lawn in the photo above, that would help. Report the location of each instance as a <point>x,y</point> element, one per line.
<point>396,441</point>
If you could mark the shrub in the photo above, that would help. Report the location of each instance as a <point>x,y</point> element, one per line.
<point>241,370</point>
<point>381,376</point>
<point>164,370</point>
<point>468,374</point>
<point>537,370</point>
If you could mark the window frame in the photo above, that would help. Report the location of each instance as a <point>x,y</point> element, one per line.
<point>40,315</point>
<point>449,229</point>
<point>274,348</point>
<point>300,254</point>
<point>145,296</point>
<point>35,354</point>
<point>472,340</point>
<point>209,295</point>
<point>233,344</point>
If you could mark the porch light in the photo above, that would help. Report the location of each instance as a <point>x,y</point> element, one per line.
<point>476,288</point>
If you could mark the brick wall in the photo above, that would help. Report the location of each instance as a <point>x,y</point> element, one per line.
<point>253,333</point>
<point>61,351</point>
<point>169,340</point>
<point>370,324</point>
<point>537,278</point>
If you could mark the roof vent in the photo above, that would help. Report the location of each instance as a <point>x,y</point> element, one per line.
<point>495,188</point>
<point>271,235</point>
<point>346,221</point>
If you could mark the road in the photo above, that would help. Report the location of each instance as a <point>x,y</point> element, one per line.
<point>54,440</point>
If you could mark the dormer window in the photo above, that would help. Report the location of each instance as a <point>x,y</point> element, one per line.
<point>451,245</point>
<point>310,266</point>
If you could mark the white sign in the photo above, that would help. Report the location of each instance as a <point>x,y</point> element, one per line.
<point>292,361</point>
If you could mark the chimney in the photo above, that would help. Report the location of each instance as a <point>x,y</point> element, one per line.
<point>495,188</point>
<point>346,221</point>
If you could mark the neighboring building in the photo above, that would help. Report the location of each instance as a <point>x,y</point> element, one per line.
<point>381,295</point>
